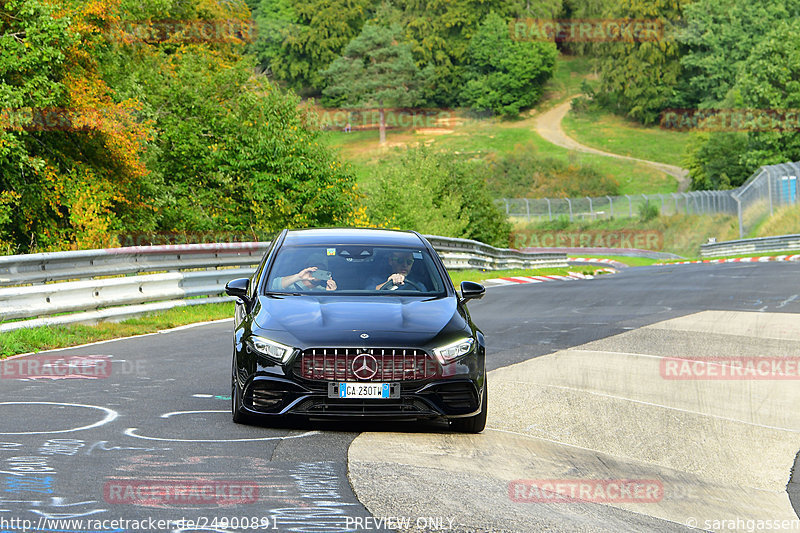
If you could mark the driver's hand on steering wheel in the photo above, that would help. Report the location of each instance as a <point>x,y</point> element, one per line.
<point>395,279</point>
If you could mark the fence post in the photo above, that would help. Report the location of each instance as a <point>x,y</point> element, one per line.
<point>506,202</point>
<point>591,210</point>
<point>528,210</point>
<point>630,206</point>
<point>739,210</point>
<point>570,208</point>
<point>611,203</point>
<point>549,210</point>
<point>769,191</point>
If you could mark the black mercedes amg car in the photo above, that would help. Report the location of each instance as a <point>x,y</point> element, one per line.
<point>356,323</point>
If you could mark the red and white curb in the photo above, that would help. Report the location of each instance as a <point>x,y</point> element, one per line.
<point>535,279</point>
<point>762,259</point>
<point>596,260</point>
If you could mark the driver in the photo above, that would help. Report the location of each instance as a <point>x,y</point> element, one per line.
<point>314,277</point>
<point>400,265</point>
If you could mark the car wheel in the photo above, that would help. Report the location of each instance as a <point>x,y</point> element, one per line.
<point>237,411</point>
<point>473,424</point>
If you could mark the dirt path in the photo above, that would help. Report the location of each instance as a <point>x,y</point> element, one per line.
<point>548,125</point>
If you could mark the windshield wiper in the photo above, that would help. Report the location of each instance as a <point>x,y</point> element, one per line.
<point>276,293</point>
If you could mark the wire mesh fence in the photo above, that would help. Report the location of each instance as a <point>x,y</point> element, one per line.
<point>769,188</point>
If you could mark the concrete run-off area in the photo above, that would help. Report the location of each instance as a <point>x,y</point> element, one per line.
<point>601,416</point>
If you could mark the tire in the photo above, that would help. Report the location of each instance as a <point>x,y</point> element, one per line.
<point>239,415</point>
<point>477,423</point>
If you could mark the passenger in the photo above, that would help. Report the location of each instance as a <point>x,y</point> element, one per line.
<point>314,277</point>
<point>400,265</point>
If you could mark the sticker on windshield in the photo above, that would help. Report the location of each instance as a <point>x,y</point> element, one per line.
<point>331,251</point>
<point>417,255</point>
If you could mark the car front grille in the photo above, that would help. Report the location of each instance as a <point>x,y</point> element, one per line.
<point>393,364</point>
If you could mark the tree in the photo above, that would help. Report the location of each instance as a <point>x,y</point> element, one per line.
<point>714,160</point>
<point>231,151</point>
<point>719,36</point>
<point>768,80</point>
<point>436,193</point>
<point>502,75</point>
<point>640,78</point>
<point>70,161</point>
<point>300,38</point>
<point>440,31</point>
<point>376,69</point>
<point>766,86</point>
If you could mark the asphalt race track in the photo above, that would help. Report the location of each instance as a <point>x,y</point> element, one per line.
<point>156,414</point>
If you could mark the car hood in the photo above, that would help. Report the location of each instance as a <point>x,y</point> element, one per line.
<point>314,321</point>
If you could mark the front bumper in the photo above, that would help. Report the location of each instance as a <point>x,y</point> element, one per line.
<point>448,398</point>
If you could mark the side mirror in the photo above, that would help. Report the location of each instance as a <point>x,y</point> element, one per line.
<point>472,291</point>
<point>238,288</point>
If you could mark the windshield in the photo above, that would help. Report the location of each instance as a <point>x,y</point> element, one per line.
<point>355,269</point>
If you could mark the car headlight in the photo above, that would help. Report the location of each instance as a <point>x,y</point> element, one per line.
<point>273,350</point>
<point>449,353</point>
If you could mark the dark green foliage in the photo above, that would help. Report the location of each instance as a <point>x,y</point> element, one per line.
<point>719,36</point>
<point>524,173</point>
<point>375,70</point>
<point>503,75</point>
<point>638,79</point>
<point>299,38</point>
<point>766,80</point>
<point>648,211</point>
<point>715,160</point>
<point>436,193</point>
<point>770,79</point>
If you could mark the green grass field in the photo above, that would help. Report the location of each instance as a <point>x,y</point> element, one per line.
<point>479,139</point>
<point>493,135</point>
<point>617,135</point>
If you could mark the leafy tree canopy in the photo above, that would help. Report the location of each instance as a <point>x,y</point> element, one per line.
<point>375,70</point>
<point>719,37</point>
<point>505,75</point>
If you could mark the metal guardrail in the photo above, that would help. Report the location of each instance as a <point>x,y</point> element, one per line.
<point>783,243</point>
<point>114,283</point>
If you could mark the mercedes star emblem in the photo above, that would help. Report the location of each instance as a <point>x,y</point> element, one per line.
<point>365,366</point>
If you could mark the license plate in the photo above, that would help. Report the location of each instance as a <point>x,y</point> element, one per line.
<point>363,390</point>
